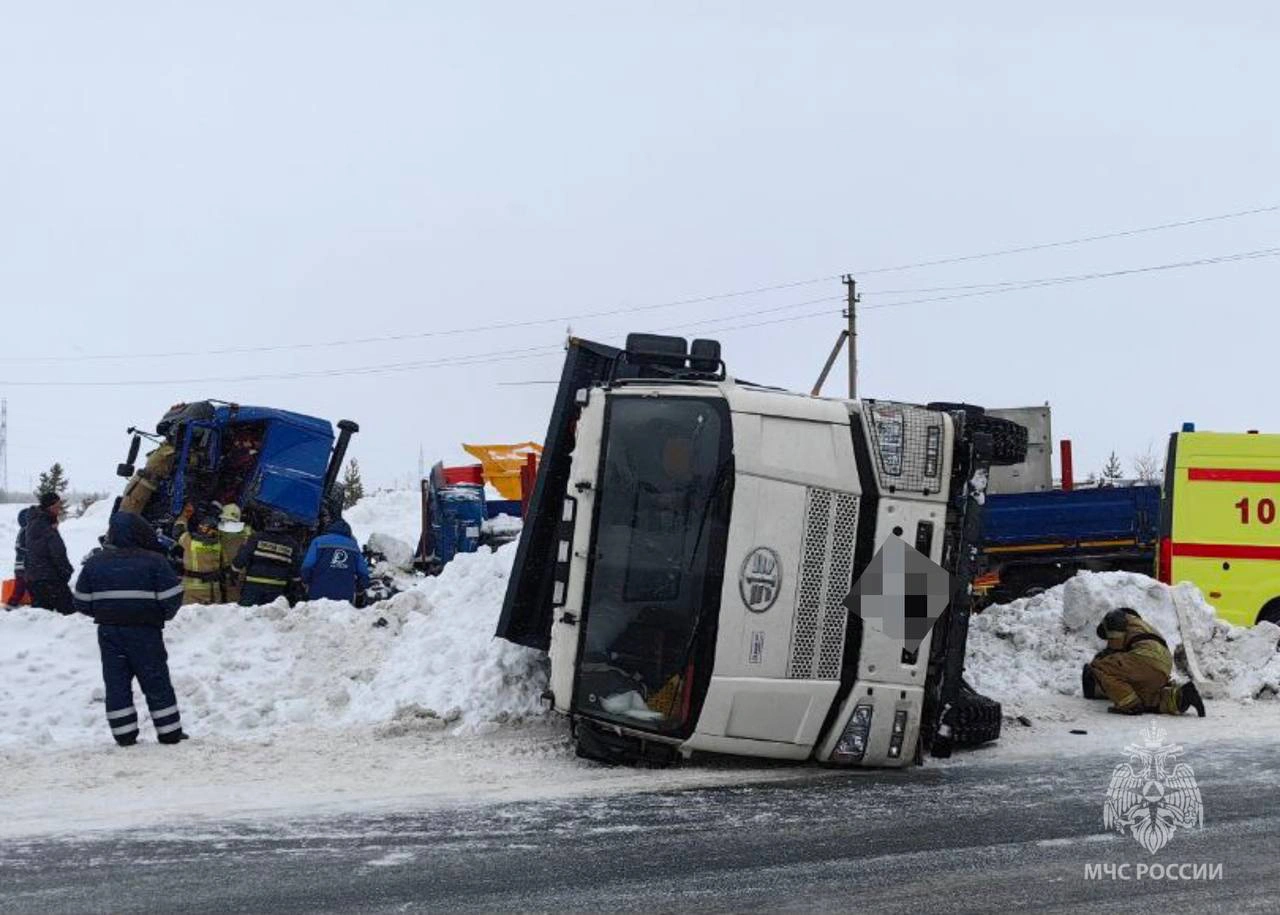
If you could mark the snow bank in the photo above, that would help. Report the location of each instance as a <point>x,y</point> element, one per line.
<point>1038,645</point>
<point>395,513</point>
<point>249,672</point>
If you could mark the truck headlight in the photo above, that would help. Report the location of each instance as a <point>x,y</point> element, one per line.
<point>853,742</point>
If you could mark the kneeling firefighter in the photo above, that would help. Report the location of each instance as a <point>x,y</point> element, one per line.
<point>1133,670</point>
<point>131,591</point>
<point>268,566</point>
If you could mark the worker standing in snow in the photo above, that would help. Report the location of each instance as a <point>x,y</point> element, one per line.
<point>131,591</point>
<point>268,565</point>
<point>19,562</point>
<point>232,535</point>
<point>48,570</point>
<point>1134,669</point>
<point>334,567</point>
<point>201,561</point>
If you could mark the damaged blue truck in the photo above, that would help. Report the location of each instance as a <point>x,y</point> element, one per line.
<point>280,467</point>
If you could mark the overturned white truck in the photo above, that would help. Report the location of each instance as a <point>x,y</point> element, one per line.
<point>691,541</point>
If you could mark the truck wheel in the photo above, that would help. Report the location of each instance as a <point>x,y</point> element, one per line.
<point>1270,612</point>
<point>1008,439</point>
<point>977,719</point>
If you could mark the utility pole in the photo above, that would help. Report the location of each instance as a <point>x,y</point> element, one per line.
<point>851,312</point>
<point>4,446</point>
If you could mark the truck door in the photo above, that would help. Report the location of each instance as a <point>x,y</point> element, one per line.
<point>196,464</point>
<point>291,471</point>
<point>528,606</point>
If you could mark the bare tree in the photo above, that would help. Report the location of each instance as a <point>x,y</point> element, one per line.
<point>1146,466</point>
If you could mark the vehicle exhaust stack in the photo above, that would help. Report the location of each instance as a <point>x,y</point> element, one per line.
<point>347,429</point>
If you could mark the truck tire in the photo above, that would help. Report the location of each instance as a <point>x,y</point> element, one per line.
<point>1008,439</point>
<point>1270,612</point>
<point>976,720</point>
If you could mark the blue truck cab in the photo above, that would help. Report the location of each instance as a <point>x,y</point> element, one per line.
<point>278,466</point>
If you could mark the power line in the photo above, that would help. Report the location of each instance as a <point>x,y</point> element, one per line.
<point>1022,285</point>
<point>421,335</point>
<point>1084,239</point>
<point>634,309</point>
<point>384,368</point>
<point>533,352</point>
<point>537,351</point>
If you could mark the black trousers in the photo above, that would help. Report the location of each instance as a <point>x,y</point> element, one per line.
<point>137,652</point>
<point>52,595</point>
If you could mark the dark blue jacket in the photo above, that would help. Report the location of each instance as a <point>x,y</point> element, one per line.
<point>20,542</point>
<point>46,553</point>
<point>334,567</point>
<point>128,583</point>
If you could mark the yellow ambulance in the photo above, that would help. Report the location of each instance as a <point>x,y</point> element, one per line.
<point>1220,521</point>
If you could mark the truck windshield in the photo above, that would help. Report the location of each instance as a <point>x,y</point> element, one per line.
<point>662,519</point>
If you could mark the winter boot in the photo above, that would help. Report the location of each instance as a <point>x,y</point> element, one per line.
<point>1088,684</point>
<point>1189,697</point>
<point>127,740</point>
<point>173,736</point>
<point>1132,710</point>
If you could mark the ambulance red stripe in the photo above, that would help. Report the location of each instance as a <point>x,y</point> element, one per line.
<point>1231,475</point>
<point>1225,551</point>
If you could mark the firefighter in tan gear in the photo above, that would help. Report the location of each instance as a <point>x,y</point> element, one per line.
<point>201,562</point>
<point>1133,670</point>
<point>143,485</point>
<point>232,534</point>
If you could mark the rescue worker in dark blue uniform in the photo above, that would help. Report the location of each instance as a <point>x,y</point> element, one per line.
<point>334,567</point>
<point>131,590</point>
<point>268,565</point>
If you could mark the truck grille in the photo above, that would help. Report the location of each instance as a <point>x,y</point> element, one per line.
<point>817,637</point>
<point>907,444</point>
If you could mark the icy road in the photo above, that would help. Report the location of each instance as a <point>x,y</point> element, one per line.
<point>979,837</point>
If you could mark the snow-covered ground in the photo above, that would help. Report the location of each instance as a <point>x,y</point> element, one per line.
<point>1021,652</point>
<point>322,706</point>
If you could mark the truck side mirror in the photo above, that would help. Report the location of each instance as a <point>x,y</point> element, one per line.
<point>126,469</point>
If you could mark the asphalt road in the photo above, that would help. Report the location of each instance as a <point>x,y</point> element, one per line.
<point>974,838</point>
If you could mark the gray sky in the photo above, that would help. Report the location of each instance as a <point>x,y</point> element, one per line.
<point>185,179</point>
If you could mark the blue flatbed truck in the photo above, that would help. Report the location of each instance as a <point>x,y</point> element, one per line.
<point>1035,540</point>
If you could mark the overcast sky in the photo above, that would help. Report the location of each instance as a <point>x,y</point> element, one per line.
<point>178,180</point>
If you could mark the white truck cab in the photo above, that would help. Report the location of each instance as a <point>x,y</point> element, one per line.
<point>690,546</point>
